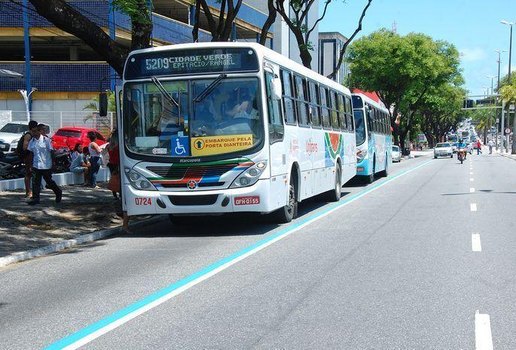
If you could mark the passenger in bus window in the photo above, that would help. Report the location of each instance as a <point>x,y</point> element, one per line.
<point>247,108</point>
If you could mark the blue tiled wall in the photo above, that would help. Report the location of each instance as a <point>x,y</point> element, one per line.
<point>11,14</point>
<point>59,77</point>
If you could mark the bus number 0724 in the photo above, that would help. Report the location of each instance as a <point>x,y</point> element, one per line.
<point>143,201</point>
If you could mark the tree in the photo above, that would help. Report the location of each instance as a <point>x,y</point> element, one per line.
<point>440,111</point>
<point>402,70</point>
<point>67,18</point>
<point>220,29</point>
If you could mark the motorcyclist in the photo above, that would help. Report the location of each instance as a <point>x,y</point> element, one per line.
<point>462,147</point>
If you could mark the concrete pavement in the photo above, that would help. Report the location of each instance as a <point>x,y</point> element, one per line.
<point>84,215</point>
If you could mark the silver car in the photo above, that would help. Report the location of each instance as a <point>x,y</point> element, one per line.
<point>443,149</point>
<point>396,153</point>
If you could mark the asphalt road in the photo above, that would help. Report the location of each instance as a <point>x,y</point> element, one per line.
<point>392,266</point>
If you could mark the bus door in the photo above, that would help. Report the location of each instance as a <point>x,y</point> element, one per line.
<point>277,146</point>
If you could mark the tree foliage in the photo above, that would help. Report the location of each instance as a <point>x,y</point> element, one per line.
<point>402,70</point>
<point>220,28</point>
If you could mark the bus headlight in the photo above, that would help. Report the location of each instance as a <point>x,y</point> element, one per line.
<point>250,176</point>
<point>138,181</point>
<point>361,154</point>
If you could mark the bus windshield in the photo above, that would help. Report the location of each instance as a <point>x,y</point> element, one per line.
<point>184,118</point>
<point>360,131</point>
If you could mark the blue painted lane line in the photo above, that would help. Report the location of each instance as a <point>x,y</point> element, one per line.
<point>95,330</point>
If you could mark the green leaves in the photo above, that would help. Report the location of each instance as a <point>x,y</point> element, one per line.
<point>403,70</point>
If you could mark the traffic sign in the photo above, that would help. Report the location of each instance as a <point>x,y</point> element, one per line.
<point>507,131</point>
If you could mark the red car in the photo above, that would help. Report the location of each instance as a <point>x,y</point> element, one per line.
<point>70,136</point>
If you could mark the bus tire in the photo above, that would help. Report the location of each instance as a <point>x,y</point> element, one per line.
<point>334,194</point>
<point>385,172</point>
<point>370,177</point>
<point>289,211</point>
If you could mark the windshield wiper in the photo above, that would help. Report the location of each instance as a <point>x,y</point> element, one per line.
<point>164,91</point>
<point>204,93</point>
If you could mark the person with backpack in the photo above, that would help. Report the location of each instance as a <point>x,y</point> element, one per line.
<point>26,156</point>
<point>42,150</point>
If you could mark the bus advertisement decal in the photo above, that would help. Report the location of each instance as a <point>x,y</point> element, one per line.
<point>210,145</point>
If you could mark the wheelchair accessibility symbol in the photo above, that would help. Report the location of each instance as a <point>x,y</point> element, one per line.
<point>179,146</point>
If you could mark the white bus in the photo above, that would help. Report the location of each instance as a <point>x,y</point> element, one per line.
<point>373,137</point>
<point>212,128</point>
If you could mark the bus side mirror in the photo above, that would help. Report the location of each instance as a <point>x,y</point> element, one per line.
<point>103,104</point>
<point>276,89</point>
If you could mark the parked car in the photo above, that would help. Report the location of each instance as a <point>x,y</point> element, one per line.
<point>396,153</point>
<point>68,137</point>
<point>443,149</point>
<point>11,132</point>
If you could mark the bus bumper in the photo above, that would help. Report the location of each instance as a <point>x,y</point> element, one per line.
<point>263,197</point>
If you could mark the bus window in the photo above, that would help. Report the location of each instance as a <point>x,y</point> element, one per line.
<point>288,100</point>
<point>333,113</point>
<point>301,98</point>
<point>325,112</point>
<point>349,114</point>
<point>276,128</point>
<point>342,114</point>
<point>315,116</point>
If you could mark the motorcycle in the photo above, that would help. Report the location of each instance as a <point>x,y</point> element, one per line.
<point>62,160</point>
<point>11,166</point>
<point>461,155</point>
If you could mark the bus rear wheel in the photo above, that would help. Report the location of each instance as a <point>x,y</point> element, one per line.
<point>289,211</point>
<point>334,194</point>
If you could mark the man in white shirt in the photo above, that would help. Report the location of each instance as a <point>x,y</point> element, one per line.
<point>42,149</point>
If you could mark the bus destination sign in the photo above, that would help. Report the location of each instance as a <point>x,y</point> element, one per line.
<point>180,62</point>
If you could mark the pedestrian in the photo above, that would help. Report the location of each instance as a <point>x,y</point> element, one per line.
<point>479,147</point>
<point>79,162</point>
<point>42,151</point>
<point>95,160</point>
<point>26,156</point>
<point>490,144</point>
<point>114,161</point>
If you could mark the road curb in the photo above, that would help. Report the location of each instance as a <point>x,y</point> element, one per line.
<point>69,243</point>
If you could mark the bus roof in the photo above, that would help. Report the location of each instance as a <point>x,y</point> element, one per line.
<point>262,53</point>
<point>369,100</point>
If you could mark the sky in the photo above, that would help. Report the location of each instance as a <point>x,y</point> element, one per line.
<point>473,26</point>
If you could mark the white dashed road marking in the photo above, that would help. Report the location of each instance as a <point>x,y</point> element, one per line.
<point>475,242</point>
<point>473,206</point>
<point>483,338</point>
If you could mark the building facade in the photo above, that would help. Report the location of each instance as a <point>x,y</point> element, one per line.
<point>330,45</point>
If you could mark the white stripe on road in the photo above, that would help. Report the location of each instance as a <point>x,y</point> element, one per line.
<point>471,190</point>
<point>475,242</point>
<point>471,173</point>
<point>483,338</point>
<point>473,206</point>
<point>471,179</point>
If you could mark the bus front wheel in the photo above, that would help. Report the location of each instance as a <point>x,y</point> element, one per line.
<point>289,211</point>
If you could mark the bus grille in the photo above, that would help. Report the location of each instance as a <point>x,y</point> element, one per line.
<point>194,200</point>
<point>178,173</point>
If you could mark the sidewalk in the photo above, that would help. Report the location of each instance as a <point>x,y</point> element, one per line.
<point>47,227</point>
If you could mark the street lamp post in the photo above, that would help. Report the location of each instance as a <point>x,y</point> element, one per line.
<point>492,84</point>
<point>509,80</point>
<point>26,98</point>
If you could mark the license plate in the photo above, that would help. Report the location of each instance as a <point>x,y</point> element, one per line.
<point>247,200</point>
